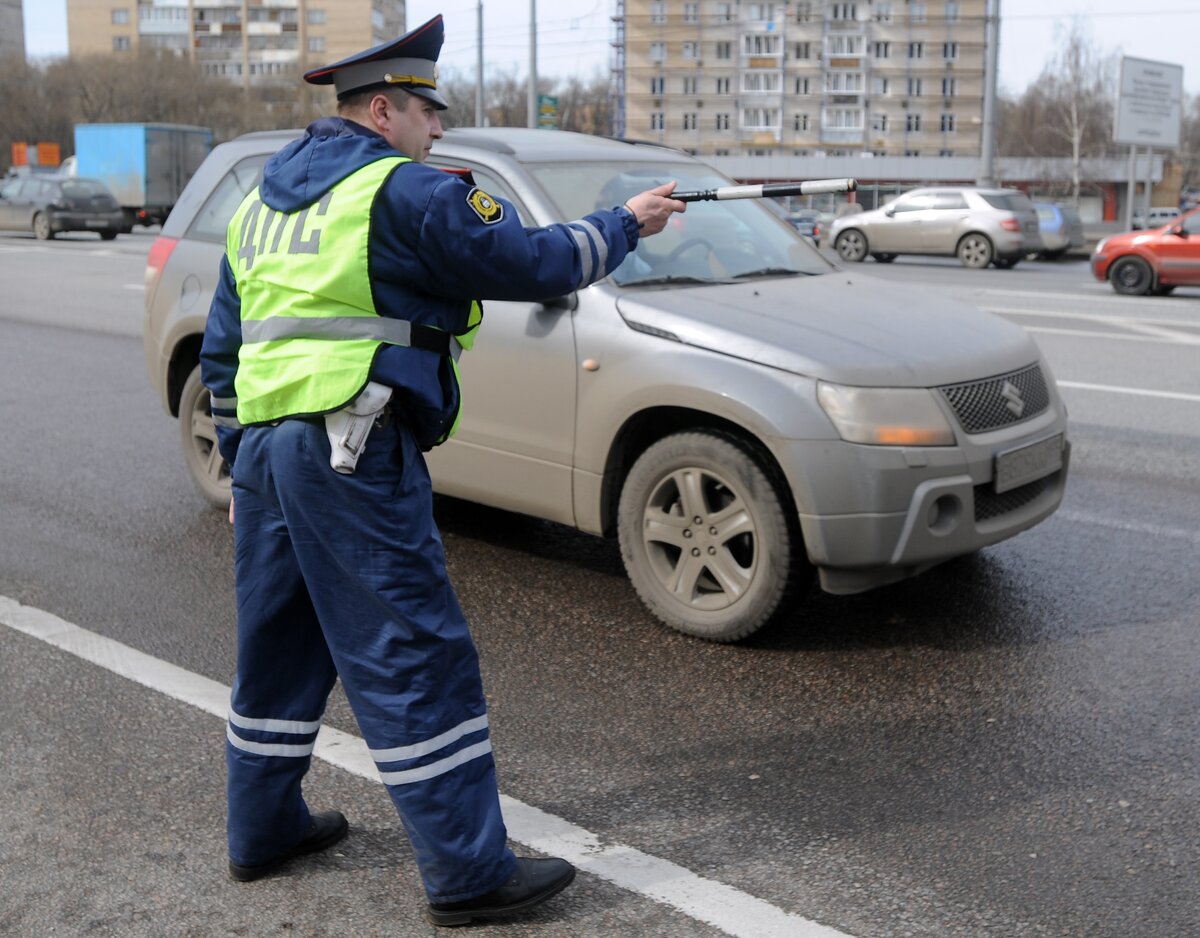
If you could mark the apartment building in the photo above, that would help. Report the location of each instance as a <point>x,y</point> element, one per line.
<point>12,29</point>
<point>247,42</point>
<point>805,78</point>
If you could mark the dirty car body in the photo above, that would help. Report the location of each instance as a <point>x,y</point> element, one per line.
<point>733,408</point>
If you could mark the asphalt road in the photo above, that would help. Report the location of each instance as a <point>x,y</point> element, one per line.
<point>1006,745</point>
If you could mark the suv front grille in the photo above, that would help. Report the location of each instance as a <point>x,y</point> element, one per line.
<point>990,505</point>
<point>997,402</point>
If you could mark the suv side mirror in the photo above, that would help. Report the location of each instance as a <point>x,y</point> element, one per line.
<point>1178,230</point>
<point>889,211</point>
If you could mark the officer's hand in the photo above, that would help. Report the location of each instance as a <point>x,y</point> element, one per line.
<point>654,208</point>
<point>231,510</point>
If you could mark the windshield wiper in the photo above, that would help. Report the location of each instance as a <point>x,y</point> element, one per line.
<point>769,272</point>
<point>671,278</point>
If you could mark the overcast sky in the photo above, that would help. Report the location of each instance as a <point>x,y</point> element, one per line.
<point>575,36</point>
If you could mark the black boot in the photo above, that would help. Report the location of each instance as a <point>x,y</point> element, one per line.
<point>327,829</point>
<point>532,882</point>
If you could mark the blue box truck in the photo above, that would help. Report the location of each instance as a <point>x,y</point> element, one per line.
<point>145,165</point>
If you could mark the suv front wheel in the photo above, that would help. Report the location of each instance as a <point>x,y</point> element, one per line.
<point>208,469</point>
<point>705,538</point>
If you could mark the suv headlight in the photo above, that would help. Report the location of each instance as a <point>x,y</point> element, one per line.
<point>885,416</point>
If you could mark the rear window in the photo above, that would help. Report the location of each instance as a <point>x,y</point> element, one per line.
<point>212,220</point>
<point>82,189</point>
<point>1008,201</point>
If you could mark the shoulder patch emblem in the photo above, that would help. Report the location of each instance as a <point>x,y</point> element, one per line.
<point>488,209</point>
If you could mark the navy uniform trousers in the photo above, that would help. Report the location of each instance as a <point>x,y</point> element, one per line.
<point>344,575</point>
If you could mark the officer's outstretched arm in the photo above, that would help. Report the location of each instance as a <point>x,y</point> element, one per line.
<point>654,208</point>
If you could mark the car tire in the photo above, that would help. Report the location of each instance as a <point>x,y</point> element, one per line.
<point>41,227</point>
<point>1006,263</point>
<point>851,245</point>
<point>109,235</point>
<point>975,250</point>
<point>1131,276</point>
<point>883,258</point>
<point>706,538</point>
<point>208,469</point>
<point>1162,290</point>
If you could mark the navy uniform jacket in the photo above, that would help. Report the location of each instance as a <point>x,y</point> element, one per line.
<point>430,254</point>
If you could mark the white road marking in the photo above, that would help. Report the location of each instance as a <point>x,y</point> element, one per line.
<point>1172,332</point>
<point>135,286</point>
<point>734,912</point>
<point>1133,527</point>
<point>1136,392</point>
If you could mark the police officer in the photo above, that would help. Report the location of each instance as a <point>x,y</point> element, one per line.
<point>350,285</point>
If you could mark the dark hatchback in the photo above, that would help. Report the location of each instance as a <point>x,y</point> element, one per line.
<point>49,205</point>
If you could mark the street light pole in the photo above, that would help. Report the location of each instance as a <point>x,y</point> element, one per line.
<point>987,174</point>
<point>479,64</point>
<point>533,116</point>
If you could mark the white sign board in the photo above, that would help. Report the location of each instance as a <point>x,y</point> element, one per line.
<point>1150,106</point>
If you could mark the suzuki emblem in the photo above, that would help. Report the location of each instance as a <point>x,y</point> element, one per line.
<point>1012,398</point>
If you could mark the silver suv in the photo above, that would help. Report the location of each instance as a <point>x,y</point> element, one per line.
<point>733,409</point>
<point>979,226</point>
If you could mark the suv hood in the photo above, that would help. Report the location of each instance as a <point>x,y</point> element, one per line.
<point>838,326</point>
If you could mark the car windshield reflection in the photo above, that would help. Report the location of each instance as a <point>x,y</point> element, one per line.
<point>713,242</point>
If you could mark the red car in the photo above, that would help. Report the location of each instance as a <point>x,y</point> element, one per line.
<point>1154,261</point>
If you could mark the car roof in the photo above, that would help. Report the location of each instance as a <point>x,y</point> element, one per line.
<point>530,145</point>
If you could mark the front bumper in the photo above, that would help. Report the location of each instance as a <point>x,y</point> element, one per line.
<point>917,507</point>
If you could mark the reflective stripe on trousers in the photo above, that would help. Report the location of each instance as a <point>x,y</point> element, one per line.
<point>345,575</point>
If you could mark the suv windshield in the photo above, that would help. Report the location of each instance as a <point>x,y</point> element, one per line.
<point>713,242</point>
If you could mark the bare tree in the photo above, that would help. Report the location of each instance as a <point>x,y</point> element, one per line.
<point>1189,146</point>
<point>1067,111</point>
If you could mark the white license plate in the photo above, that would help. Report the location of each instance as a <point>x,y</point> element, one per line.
<point>1016,467</point>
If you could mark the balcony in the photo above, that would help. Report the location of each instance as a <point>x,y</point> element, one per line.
<point>843,136</point>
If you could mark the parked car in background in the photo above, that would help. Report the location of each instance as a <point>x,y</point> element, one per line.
<point>1061,229</point>
<point>979,226</point>
<point>1154,218</point>
<point>1141,262</point>
<point>808,223</point>
<point>732,409</point>
<point>48,205</point>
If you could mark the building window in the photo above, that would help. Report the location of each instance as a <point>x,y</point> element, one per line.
<point>690,121</point>
<point>879,122</point>
<point>691,50</point>
<point>761,11</point>
<point>947,123</point>
<point>724,12</point>
<point>760,118</point>
<point>722,86</point>
<point>916,12</point>
<point>800,122</point>
<point>916,50</point>
<point>912,121</point>
<point>120,43</point>
<point>657,85</point>
<point>844,11</point>
<point>803,11</point>
<point>724,50</point>
<point>842,118</point>
<point>658,11</point>
<point>804,50</point>
<point>843,82</point>
<point>316,43</point>
<point>656,120</point>
<point>120,16</point>
<point>949,50</point>
<point>883,13</point>
<point>691,12</point>
<point>690,85</point>
<point>945,152</point>
<point>722,122</point>
<point>914,87</point>
<point>881,50</point>
<point>761,81</point>
<point>951,11</point>
<point>912,152</point>
<point>316,17</point>
<point>845,45</point>
<point>801,86</point>
<point>881,85</point>
<point>658,51</point>
<point>760,44</point>
<point>949,87</point>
